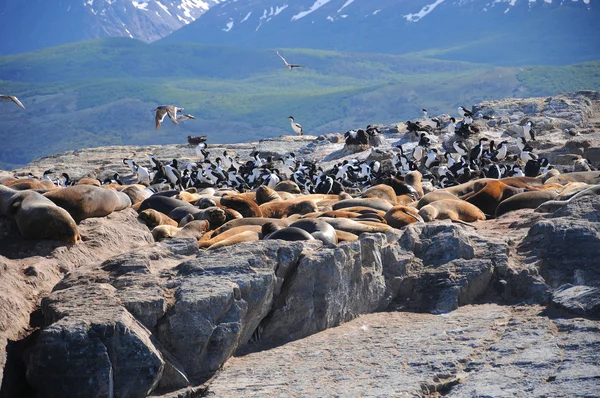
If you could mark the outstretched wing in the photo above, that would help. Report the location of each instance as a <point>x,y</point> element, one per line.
<point>160,116</point>
<point>13,99</point>
<point>172,112</point>
<point>283,59</point>
<point>297,66</point>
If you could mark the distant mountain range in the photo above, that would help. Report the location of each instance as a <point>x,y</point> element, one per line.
<point>501,32</point>
<point>29,25</point>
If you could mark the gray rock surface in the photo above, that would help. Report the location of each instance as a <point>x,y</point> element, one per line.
<point>580,300</point>
<point>484,350</point>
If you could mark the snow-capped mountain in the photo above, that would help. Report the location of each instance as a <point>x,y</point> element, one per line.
<point>474,30</point>
<point>33,24</point>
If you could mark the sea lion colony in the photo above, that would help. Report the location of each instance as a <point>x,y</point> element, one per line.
<point>225,201</point>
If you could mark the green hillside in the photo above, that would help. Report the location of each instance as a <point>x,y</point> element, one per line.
<point>102,92</point>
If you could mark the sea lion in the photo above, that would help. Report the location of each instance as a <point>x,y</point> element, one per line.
<point>264,194</point>
<point>451,209</point>
<point>333,214</point>
<point>194,229</point>
<point>89,181</point>
<point>37,217</point>
<point>250,221</point>
<point>355,227</point>
<point>206,202</point>
<point>22,184</point>
<point>400,216</point>
<point>413,178</point>
<point>153,218</point>
<point>124,201</point>
<point>572,189</point>
<point>246,236</point>
<point>438,194</point>
<point>85,201</point>
<point>272,231</point>
<point>318,229</point>
<point>188,197</point>
<point>525,200</point>
<point>374,203</point>
<point>214,215</point>
<point>381,191</point>
<point>284,209</point>
<point>286,195</point>
<point>465,188</point>
<point>344,236</point>
<point>401,188</point>
<point>136,193</point>
<point>161,232</point>
<point>522,182</point>
<point>488,195</point>
<point>589,177</point>
<point>287,186</point>
<point>552,205</point>
<point>245,207</point>
<point>209,238</point>
<point>164,204</point>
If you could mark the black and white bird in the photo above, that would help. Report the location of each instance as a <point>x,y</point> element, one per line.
<point>432,122</point>
<point>187,116</point>
<point>460,148</point>
<point>528,133</point>
<point>166,110</point>
<point>295,126</point>
<point>142,173</point>
<point>431,159</point>
<point>464,112</point>
<point>325,185</point>
<point>500,152</point>
<point>451,127</point>
<point>523,145</point>
<point>12,98</point>
<point>477,150</point>
<point>173,175</point>
<point>526,156</point>
<point>196,140</point>
<point>288,65</point>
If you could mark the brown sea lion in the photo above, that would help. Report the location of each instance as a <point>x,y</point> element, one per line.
<point>188,197</point>
<point>22,184</point>
<point>521,182</point>
<point>400,216</point>
<point>355,227</point>
<point>161,232</point>
<point>246,207</point>
<point>589,177</point>
<point>264,194</point>
<point>37,217</point>
<point>284,209</point>
<point>246,236</point>
<point>153,218</point>
<point>451,209</point>
<point>250,221</point>
<point>136,193</point>
<point>85,201</point>
<point>488,195</point>
<point>89,181</point>
<point>552,205</point>
<point>413,178</point>
<point>381,191</point>
<point>194,229</point>
<point>374,203</point>
<point>287,186</point>
<point>436,195</point>
<point>525,200</point>
<point>465,188</point>
<point>210,238</point>
<point>161,203</point>
<point>344,236</point>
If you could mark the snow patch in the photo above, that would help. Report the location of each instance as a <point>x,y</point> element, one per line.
<point>246,17</point>
<point>229,26</point>
<point>141,6</point>
<point>165,9</point>
<point>318,4</point>
<point>424,11</point>
<point>346,4</point>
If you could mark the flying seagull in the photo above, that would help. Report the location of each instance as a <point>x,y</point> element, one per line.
<point>289,66</point>
<point>165,110</point>
<point>295,126</point>
<point>187,116</point>
<point>11,98</point>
